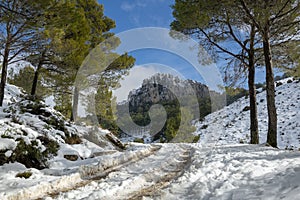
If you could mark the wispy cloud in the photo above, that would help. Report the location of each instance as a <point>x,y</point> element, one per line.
<point>128,7</point>
<point>135,19</point>
<point>141,3</point>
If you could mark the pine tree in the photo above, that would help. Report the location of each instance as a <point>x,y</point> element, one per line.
<point>99,27</point>
<point>108,80</point>
<point>18,23</point>
<point>214,23</point>
<point>276,21</point>
<point>24,79</point>
<point>60,43</point>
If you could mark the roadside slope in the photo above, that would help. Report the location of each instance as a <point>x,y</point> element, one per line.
<point>230,125</point>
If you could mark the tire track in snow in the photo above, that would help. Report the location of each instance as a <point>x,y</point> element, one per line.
<point>154,190</point>
<point>77,180</point>
<point>138,179</point>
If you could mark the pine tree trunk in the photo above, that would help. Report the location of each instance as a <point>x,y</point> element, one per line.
<point>36,78</point>
<point>4,74</point>
<point>272,115</point>
<point>74,112</point>
<point>252,91</point>
<point>253,106</point>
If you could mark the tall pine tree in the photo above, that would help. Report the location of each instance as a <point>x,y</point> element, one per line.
<point>278,20</point>
<point>215,24</point>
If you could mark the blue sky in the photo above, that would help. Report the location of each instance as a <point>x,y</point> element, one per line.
<point>146,13</point>
<point>138,13</point>
<point>133,14</point>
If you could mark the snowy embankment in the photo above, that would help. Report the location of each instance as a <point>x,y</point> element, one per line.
<point>231,124</point>
<point>37,125</point>
<point>39,137</point>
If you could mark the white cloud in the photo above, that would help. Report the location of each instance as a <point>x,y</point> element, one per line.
<point>127,6</point>
<point>133,80</point>
<point>141,3</point>
<point>135,19</point>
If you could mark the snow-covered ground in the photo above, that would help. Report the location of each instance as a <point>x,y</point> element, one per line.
<point>20,122</point>
<point>217,167</point>
<point>231,125</point>
<point>188,171</point>
<point>23,119</point>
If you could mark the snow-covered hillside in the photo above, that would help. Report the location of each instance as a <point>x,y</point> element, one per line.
<point>213,170</point>
<point>33,135</point>
<point>33,124</point>
<point>231,124</point>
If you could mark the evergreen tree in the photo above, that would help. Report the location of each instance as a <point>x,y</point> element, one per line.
<point>271,23</point>
<point>60,43</point>
<point>214,23</point>
<point>24,79</point>
<point>99,27</point>
<point>108,80</point>
<point>18,24</point>
<point>276,21</point>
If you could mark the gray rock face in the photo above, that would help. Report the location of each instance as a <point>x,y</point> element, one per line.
<point>165,87</point>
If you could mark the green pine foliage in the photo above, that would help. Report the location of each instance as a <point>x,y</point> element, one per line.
<point>232,94</point>
<point>103,101</point>
<point>24,79</point>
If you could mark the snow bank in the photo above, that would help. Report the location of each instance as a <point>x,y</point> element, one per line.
<point>239,172</point>
<point>7,144</point>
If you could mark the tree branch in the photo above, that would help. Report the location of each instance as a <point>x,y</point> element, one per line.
<point>12,11</point>
<point>277,15</point>
<point>233,35</point>
<point>286,13</point>
<point>221,48</point>
<point>248,12</point>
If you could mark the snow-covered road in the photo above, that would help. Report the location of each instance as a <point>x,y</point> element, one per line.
<point>146,177</point>
<point>187,171</point>
<point>175,171</point>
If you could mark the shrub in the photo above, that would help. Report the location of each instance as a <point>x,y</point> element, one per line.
<point>139,140</point>
<point>196,139</point>
<point>31,155</point>
<point>7,136</point>
<point>73,139</point>
<point>51,146</point>
<point>3,158</point>
<point>24,174</point>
